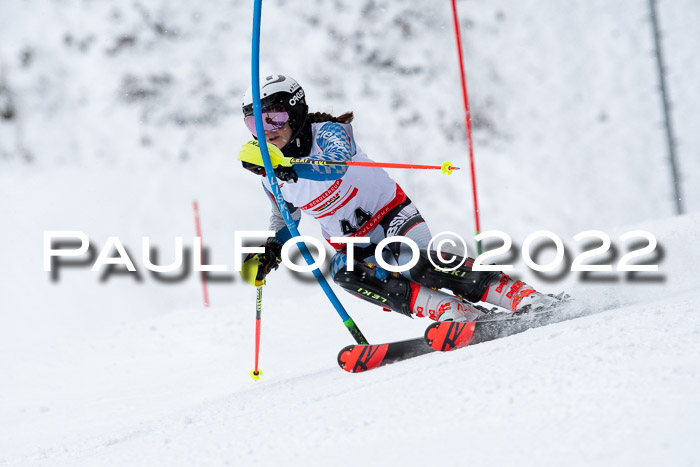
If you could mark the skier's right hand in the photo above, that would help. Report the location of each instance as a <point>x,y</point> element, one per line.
<point>258,265</point>
<point>250,152</point>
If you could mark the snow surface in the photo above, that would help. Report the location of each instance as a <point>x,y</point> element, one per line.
<point>126,113</point>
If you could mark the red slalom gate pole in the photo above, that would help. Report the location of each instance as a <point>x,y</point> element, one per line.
<point>256,373</point>
<point>198,227</point>
<point>468,120</point>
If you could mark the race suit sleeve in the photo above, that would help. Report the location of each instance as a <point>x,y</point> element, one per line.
<point>336,145</point>
<point>277,223</point>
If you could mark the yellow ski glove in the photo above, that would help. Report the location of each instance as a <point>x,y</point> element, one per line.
<point>258,265</point>
<point>250,152</point>
<point>249,271</point>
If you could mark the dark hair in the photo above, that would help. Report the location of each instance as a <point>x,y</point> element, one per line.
<point>318,117</point>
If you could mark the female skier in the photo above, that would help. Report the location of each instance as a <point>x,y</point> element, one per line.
<point>350,201</point>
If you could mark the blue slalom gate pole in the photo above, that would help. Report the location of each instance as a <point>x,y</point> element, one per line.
<point>277,193</point>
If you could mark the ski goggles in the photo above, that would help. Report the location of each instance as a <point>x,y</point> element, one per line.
<point>273,120</point>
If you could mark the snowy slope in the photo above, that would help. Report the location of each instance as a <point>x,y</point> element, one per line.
<point>614,388</point>
<point>590,392</point>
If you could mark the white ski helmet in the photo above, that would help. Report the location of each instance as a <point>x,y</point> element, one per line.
<point>283,92</point>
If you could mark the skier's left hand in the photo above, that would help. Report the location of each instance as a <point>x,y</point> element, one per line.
<point>258,265</point>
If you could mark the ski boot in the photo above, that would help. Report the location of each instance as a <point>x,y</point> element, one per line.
<point>440,306</point>
<point>519,297</point>
<point>395,292</point>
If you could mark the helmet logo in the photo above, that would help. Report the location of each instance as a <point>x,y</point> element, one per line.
<point>296,97</point>
<point>273,79</point>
